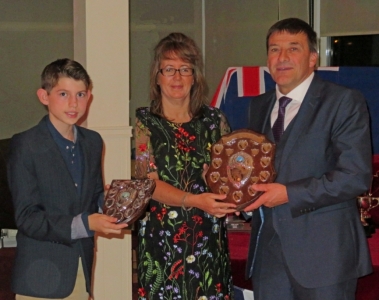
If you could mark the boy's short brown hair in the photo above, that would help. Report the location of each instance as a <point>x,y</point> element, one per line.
<point>64,67</point>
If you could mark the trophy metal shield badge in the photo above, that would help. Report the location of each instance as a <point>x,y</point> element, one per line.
<point>239,160</point>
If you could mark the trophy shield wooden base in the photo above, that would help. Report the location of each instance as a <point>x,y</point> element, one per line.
<point>239,160</point>
<point>126,200</point>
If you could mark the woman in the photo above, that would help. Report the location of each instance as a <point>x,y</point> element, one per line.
<point>183,251</point>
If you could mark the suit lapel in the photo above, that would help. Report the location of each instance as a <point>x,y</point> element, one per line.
<point>52,155</point>
<point>267,107</point>
<point>300,123</point>
<point>47,144</point>
<point>86,150</point>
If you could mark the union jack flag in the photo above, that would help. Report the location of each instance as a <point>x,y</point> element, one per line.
<point>241,84</point>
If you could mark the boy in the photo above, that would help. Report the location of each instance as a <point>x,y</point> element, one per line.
<point>55,176</point>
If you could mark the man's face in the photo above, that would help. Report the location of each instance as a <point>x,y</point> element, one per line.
<point>289,59</point>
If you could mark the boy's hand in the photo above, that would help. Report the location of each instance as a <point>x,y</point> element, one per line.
<point>104,224</point>
<point>106,189</point>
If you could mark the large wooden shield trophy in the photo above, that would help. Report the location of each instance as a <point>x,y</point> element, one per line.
<point>239,160</point>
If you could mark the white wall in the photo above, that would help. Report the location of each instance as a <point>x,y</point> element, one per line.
<point>101,35</point>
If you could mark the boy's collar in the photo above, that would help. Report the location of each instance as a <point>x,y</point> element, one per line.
<point>57,134</point>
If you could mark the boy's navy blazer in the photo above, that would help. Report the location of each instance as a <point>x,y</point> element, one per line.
<point>324,160</point>
<point>46,201</point>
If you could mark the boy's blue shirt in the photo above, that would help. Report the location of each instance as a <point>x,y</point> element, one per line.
<point>73,157</point>
<point>71,153</point>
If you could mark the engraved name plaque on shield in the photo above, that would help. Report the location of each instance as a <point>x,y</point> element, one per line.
<point>238,160</point>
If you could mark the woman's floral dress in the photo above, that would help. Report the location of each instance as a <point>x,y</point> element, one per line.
<point>182,254</point>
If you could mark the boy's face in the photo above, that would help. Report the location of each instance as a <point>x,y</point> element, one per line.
<point>66,102</point>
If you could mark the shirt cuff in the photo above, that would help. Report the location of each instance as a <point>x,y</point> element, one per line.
<point>86,225</point>
<point>100,202</point>
<point>80,227</point>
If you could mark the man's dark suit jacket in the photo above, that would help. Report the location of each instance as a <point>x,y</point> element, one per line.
<point>46,201</point>
<point>324,160</point>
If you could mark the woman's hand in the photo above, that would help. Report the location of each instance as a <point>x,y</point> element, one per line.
<point>211,203</point>
<point>205,170</point>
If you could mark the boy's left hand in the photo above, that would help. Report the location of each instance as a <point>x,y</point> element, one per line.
<point>105,224</point>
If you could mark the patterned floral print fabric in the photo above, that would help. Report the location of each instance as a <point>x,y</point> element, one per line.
<point>183,254</point>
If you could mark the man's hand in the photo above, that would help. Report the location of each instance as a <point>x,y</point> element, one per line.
<point>104,224</point>
<point>274,194</point>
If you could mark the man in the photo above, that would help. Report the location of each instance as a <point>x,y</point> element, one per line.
<point>307,241</point>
